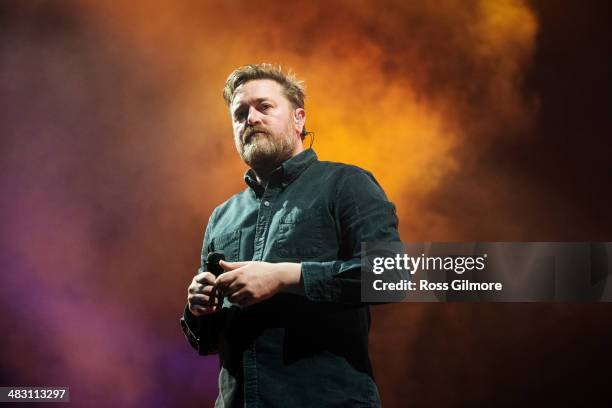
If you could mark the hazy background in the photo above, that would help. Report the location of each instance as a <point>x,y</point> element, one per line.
<point>483,120</point>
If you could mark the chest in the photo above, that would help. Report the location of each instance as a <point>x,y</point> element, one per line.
<point>279,226</point>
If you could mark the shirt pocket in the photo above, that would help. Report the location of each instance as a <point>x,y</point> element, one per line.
<point>299,233</point>
<point>229,243</point>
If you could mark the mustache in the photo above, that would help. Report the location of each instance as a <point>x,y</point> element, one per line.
<point>251,130</point>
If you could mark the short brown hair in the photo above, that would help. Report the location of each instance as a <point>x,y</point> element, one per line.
<point>292,87</point>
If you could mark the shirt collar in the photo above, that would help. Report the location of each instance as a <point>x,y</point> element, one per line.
<point>285,173</point>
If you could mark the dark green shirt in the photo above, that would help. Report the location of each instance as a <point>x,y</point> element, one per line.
<point>291,350</point>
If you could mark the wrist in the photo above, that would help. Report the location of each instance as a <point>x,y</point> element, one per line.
<point>290,276</point>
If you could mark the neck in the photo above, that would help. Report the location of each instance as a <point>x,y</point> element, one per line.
<point>262,175</point>
<point>263,182</point>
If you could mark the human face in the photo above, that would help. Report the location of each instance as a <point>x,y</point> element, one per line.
<point>265,131</point>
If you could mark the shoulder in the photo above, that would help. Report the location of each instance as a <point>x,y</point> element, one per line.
<point>343,170</point>
<point>346,175</point>
<point>357,191</point>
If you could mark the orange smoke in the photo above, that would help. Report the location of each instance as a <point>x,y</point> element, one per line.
<point>398,89</point>
<point>371,99</point>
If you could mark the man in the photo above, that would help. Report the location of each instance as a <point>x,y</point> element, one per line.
<point>291,330</point>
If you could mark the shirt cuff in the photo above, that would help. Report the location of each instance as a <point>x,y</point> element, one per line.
<point>319,280</point>
<point>192,328</point>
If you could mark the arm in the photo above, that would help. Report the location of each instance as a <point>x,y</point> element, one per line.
<point>364,214</point>
<point>202,331</point>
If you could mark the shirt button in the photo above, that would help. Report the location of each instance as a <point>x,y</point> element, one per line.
<point>267,203</point>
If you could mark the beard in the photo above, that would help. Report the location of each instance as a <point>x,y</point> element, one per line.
<point>264,151</point>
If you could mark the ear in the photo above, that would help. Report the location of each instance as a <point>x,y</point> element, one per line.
<point>299,118</point>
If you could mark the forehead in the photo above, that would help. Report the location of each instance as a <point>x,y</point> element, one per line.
<point>258,89</point>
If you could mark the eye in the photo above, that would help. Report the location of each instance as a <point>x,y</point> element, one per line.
<point>265,106</point>
<point>240,114</point>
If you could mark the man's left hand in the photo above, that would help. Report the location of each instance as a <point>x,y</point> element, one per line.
<point>247,283</point>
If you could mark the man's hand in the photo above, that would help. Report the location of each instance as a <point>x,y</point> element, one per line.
<point>247,283</point>
<point>202,295</point>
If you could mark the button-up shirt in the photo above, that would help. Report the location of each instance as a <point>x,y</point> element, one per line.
<point>292,350</point>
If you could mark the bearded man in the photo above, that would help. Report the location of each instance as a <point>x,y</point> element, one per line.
<point>286,315</point>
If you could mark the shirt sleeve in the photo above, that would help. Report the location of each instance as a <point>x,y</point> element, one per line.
<point>364,214</point>
<point>202,332</point>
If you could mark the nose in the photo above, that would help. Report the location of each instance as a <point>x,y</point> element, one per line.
<point>254,116</point>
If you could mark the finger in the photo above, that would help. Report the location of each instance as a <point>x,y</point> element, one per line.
<point>234,287</point>
<point>204,289</point>
<point>230,266</point>
<point>242,297</point>
<point>198,310</point>
<point>230,286</point>
<point>205,278</point>
<point>195,288</point>
<point>225,279</point>
<point>203,300</point>
<point>208,290</point>
<point>247,301</point>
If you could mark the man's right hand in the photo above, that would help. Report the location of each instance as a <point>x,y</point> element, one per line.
<point>202,295</point>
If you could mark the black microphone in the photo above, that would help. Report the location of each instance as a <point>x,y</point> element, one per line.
<point>212,262</point>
